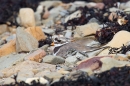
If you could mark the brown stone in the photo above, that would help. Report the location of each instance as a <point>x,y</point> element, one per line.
<point>8,48</point>
<point>27,18</point>
<point>87,29</point>
<point>36,55</point>
<point>3,28</point>
<point>36,32</point>
<point>12,29</point>
<point>46,14</point>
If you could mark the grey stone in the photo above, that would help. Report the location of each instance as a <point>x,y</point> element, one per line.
<point>56,11</point>
<point>68,34</point>
<point>8,61</point>
<point>127,10</point>
<point>80,56</point>
<point>53,59</point>
<point>45,47</point>
<point>71,60</point>
<point>94,53</point>
<point>38,18</point>
<point>25,41</point>
<point>74,75</point>
<point>49,31</point>
<point>92,20</point>
<point>11,37</point>
<point>113,9</point>
<point>2,42</point>
<point>54,75</point>
<point>48,22</point>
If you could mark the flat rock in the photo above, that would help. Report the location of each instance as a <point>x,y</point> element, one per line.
<point>121,57</point>
<point>8,48</point>
<point>87,29</point>
<point>36,55</point>
<point>3,28</point>
<point>23,75</point>
<point>42,73</point>
<point>36,32</point>
<point>120,38</point>
<point>26,66</point>
<point>53,59</point>
<point>27,18</point>
<point>7,81</point>
<point>109,63</point>
<point>11,60</point>
<point>54,75</point>
<point>25,41</point>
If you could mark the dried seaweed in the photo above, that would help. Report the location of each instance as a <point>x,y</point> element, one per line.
<point>122,50</point>
<point>117,76</point>
<point>106,34</point>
